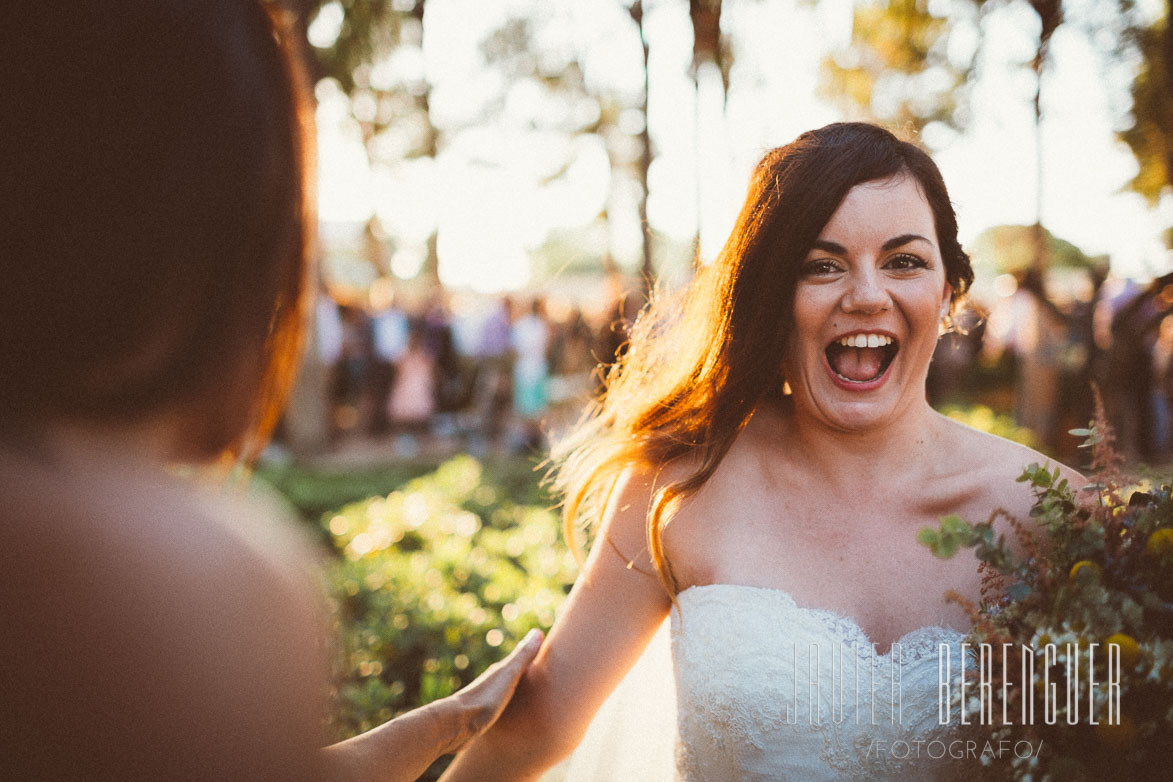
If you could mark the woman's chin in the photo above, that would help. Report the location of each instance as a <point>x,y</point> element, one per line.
<point>854,416</point>
<point>859,406</point>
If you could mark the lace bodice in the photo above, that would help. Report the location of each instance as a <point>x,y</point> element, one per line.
<point>767,690</point>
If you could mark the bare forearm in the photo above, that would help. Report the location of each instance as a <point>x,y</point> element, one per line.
<point>527,740</point>
<point>401,749</point>
<point>488,760</point>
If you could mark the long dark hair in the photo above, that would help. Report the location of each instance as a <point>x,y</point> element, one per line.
<point>157,220</point>
<point>700,360</point>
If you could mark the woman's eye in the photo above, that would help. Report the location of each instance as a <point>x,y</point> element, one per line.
<point>906,261</point>
<point>817,268</point>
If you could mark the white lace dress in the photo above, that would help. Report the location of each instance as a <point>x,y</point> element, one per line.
<point>767,690</point>
<point>723,694</point>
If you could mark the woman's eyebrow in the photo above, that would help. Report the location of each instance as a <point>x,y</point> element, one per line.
<point>831,247</point>
<point>897,241</point>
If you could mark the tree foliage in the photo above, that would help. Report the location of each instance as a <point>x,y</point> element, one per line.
<point>1012,248</point>
<point>910,61</point>
<point>900,68</point>
<point>1150,136</point>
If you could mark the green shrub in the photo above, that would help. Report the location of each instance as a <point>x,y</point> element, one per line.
<point>434,582</point>
<point>315,491</point>
<point>985,419</point>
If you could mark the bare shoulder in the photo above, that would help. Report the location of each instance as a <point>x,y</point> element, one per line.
<point>626,515</point>
<point>702,515</point>
<point>991,466</point>
<point>136,601</point>
<point>692,522</point>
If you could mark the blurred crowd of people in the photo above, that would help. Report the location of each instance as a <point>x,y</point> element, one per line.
<point>1043,350</point>
<point>500,379</point>
<point>493,380</point>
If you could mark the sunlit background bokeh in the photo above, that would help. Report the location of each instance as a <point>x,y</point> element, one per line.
<point>534,112</point>
<point>574,150</point>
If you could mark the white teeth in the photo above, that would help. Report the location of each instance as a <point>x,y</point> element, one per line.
<point>865,340</point>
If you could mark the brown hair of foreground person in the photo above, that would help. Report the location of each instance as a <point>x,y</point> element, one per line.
<point>156,163</point>
<point>153,286</point>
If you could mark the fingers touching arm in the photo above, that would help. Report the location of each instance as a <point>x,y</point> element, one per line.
<point>403,748</point>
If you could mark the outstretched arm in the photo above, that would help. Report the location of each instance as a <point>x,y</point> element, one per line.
<point>403,748</point>
<point>609,618</point>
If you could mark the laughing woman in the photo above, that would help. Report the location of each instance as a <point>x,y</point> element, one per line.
<point>774,413</point>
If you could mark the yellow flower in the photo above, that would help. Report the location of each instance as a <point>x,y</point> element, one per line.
<point>1129,650</point>
<point>1160,543</point>
<point>1084,566</point>
<point>1118,737</point>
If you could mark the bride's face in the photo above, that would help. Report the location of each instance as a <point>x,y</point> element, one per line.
<point>870,297</point>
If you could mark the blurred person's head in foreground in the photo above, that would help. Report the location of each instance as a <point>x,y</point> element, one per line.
<point>157,222</point>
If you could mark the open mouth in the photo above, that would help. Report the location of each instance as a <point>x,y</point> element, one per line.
<point>861,358</point>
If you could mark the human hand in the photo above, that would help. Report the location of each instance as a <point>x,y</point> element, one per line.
<point>476,707</point>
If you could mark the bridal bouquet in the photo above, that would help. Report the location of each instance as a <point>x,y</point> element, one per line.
<point>1071,651</point>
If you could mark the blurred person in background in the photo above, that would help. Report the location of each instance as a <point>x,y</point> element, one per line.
<point>440,342</point>
<point>951,369</point>
<point>1130,370</point>
<point>572,357</point>
<point>1037,337</point>
<point>494,379</point>
<point>352,371</point>
<point>390,331</point>
<point>328,340</point>
<point>530,339</point>
<point>1162,392</point>
<point>1081,357</point>
<point>613,337</point>
<point>1032,331</point>
<point>412,401</point>
<point>156,286</point>
<point>572,371</point>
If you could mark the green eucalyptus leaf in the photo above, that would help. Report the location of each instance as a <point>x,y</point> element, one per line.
<point>1019,591</point>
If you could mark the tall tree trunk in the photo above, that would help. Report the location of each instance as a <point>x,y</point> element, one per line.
<point>1167,63</point>
<point>710,93</point>
<point>645,156</point>
<point>431,265</point>
<point>1040,259</point>
<point>1050,13</point>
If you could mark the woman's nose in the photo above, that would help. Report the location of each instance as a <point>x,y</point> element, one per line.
<point>866,293</point>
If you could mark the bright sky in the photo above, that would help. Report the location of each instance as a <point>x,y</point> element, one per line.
<point>486,191</point>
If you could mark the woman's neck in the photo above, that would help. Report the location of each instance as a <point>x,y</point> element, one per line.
<point>149,445</point>
<point>846,457</point>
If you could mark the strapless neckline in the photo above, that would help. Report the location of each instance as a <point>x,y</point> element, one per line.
<point>840,622</point>
<point>770,691</point>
